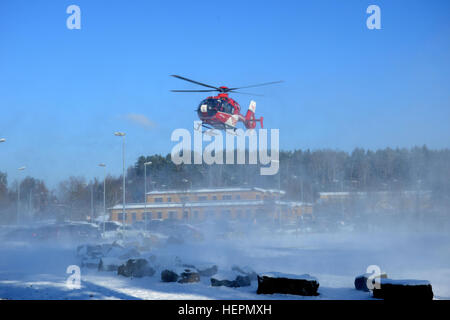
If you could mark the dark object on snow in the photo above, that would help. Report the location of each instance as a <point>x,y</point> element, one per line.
<point>246,271</point>
<point>168,276</point>
<point>303,285</point>
<point>189,276</point>
<point>404,290</point>
<point>240,281</point>
<point>361,281</point>
<point>207,271</point>
<point>136,268</point>
<point>182,275</point>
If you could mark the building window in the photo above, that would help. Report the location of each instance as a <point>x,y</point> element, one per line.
<point>258,197</point>
<point>214,197</point>
<point>238,197</point>
<point>202,198</point>
<point>132,216</point>
<point>169,199</point>
<point>172,215</point>
<point>159,215</point>
<point>186,215</point>
<point>195,214</point>
<point>158,199</point>
<point>226,197</point>
<point>184,199</point>
<point>121,216</point>
<point>147,215</point>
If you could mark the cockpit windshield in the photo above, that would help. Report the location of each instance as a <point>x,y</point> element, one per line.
<point>212,106</point>
<point>209,106</point>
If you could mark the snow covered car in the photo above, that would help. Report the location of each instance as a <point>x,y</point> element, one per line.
<point>110,226</point>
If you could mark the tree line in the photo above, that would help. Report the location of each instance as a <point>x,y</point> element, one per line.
<point>302,174</point>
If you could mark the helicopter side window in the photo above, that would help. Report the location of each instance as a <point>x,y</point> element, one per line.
<point>227,107</point>
<point>224,106</point>
<point>214,104</point>
<point>217,105</point>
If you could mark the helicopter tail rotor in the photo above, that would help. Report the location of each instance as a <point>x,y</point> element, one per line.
<point>250,119</point>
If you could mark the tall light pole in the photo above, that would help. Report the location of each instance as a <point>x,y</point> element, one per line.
<point>104,194</point>
<point>92,201</point>
<point>279,190</point>
<point>145,193</point>
<point>187,196</point>
<point>90,186</point>
<point>301,205</point>
<point>122,134</point>
<point>18,194</point>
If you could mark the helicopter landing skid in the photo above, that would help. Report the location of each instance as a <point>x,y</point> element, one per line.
<point>209,130</point>
<point>232,132</point>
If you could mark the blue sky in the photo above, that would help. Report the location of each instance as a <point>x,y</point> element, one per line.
<point>64,92</point>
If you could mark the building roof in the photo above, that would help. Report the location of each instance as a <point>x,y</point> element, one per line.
<point>213,203</point>
<point>165,205</point>
<point>206,190</point>
<point>364,193</point>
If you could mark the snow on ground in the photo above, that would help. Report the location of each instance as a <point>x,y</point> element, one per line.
<point>38,271</point>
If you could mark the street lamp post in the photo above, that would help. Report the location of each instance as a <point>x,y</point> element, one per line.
<point>279,191</point>
<point>187,197</point>
<point>104,194</point>
<point>145,194</point>
<point>18,195</point>
<point>92,201</point>
<point>122,134</point>
<point>91,191</point>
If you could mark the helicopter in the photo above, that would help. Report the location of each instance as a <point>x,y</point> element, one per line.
<point>222,112</point>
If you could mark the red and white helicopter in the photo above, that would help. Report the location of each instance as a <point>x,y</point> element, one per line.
<point>221,112</point>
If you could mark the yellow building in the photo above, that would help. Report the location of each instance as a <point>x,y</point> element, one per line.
<point>400,201</point>
<point>228,203</point>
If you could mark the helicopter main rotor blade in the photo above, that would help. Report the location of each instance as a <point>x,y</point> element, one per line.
<point>196,82</point>
<point>258,85</point>
<point>193,90</point>
<point>248,93</point>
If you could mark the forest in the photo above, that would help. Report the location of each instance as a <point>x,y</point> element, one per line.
<point>303,174</point>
